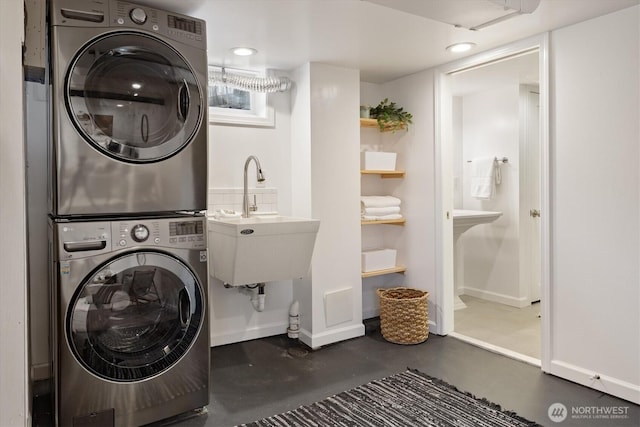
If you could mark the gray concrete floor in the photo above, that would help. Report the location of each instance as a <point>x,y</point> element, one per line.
<point>259,378</point>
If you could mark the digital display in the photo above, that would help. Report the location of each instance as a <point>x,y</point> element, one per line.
<point>183,228</point>
<point>182,24</point>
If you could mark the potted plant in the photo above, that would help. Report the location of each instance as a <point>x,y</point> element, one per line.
<point>390,116</point>
<point>365,111</point>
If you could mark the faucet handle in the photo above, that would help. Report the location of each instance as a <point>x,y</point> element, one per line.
<point>254,206</point>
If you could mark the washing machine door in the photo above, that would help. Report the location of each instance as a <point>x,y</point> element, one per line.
<point>135,316</point>
<point>133,97</point>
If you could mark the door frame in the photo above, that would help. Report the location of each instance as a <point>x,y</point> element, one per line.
<point>443,188</point>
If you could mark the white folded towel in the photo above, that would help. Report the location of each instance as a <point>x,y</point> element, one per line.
<point>381,211</point>
<point>482,177</point>
<point>381,217</point>
<point>379,201</point>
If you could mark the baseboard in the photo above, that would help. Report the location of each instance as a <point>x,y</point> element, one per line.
<point>606,384</point>
<point>331,336</point>
<point>496,297</point>
<point>261,331</point>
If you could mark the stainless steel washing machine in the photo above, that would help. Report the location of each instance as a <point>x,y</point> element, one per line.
<point>129,109</point>
<point>130,327</point>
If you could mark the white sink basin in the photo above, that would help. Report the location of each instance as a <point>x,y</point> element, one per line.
<point>465,219</point>
<point>262,248</point>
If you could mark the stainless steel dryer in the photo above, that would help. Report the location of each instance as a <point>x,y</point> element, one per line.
<point>131,335</point>
<point>129,109</point>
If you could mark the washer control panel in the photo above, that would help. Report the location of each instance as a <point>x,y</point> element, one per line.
<point>88,238</point>
<point>173,232</point>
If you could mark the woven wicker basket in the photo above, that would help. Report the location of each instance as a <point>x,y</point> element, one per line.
<point>403,315</point>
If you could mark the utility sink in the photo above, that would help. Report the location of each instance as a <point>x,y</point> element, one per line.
<point>261,248</point>
<point>465,219</point>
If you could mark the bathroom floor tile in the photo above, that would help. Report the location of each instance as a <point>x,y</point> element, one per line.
<point>517,329</point>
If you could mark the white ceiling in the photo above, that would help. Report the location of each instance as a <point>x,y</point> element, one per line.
<point>383,43</point>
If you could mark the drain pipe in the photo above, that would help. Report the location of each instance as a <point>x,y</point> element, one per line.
<point>258,303</point>
<point>257,300</point>
<point>294,320</point>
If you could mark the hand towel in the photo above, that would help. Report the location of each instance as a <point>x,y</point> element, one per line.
<point>482,177</point>
<point>381,217</point>
<point>379,201</point>
<point>381,211</point>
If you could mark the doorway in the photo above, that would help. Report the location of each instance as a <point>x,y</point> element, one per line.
<point>493,105</point>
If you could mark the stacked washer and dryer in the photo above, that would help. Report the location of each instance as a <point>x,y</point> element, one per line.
<point>128,173</point>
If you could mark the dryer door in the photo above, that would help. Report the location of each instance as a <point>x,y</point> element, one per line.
<point>135,316</point>
<point>133,97</point>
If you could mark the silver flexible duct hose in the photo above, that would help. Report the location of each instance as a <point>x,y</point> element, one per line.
<point>254,84</point>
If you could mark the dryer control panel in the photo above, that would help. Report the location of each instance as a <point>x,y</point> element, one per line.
<point>126,15</point>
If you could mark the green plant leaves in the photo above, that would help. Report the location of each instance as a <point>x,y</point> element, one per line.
<point>390,116</point>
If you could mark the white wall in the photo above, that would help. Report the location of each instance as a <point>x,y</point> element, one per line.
<point>595,201</point>
<point>36,135</point>
<point>491,128</point>
<point>14,366</point>
<point>301,176</point>
<point>233,317</point>
<point>330,299</point>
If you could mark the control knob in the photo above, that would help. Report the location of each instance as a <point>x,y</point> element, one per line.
<point>138,15</point>
<point>139,233</point>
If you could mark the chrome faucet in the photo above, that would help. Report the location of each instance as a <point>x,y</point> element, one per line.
<point>259,177</point>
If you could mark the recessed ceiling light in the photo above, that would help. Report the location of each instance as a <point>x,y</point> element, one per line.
<point>460,47</point>
<point>244,51</point>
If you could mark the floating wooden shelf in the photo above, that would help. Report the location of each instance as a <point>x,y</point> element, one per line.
<point>386,221</point>
<point>373,123</point>
<point>369,123</point>
<point>384,174</point>
<point>398,269</point>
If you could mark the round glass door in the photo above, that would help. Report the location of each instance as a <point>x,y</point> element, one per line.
<point>135,316</point>
<point>133,97</point>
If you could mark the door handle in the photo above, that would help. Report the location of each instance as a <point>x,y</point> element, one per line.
<point>85,245</point>
<point>535,213</point>
<point>184,99</point>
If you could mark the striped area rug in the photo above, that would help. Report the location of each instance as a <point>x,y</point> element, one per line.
<point>410,398</point>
